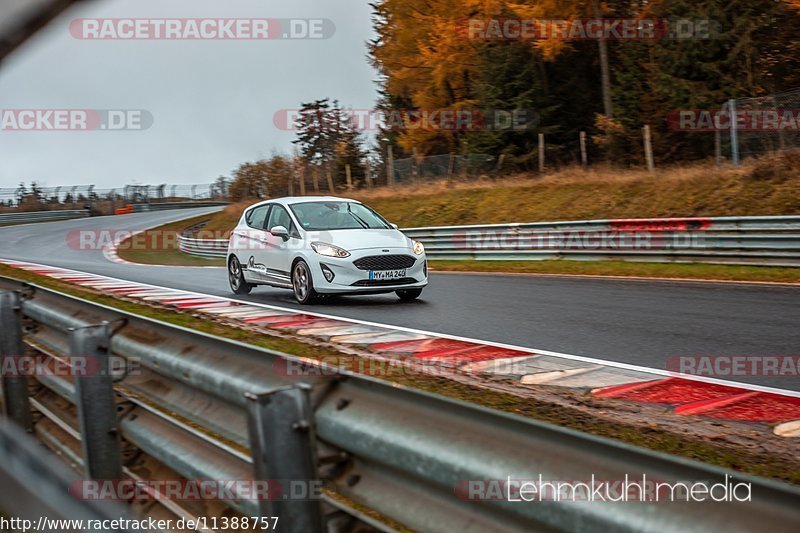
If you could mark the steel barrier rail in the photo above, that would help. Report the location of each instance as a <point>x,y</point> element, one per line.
<point>201,405</point>
<point>68,214</point>
<point>721,240</point>
<point>35,485</point>
<point>749,223</point>
<point>202,247</point>
<point>42,216</point>
<point>162,206</point>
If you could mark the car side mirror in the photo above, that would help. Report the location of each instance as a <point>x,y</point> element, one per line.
<point>280,231</point>
<point>394,226</point>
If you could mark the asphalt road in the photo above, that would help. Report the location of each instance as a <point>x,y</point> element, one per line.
<point>636,322</point>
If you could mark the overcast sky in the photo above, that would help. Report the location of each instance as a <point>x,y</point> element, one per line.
<point>212,101</point>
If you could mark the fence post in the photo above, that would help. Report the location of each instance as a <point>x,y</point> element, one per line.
<point>15,388</point>
<point>414,165</point>
<point>584,157</point>
<point>717,147</point>
<point>282,442</point>
<point>648,148</point>
<point>97,410</point>
<point>451,163</point>
<point>541,153</point>
<point>349,176</point>
<point>329,176</point>
<point>390,166</point>
<point>734,133</point>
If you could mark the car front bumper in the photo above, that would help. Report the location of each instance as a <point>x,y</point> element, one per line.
<point>348,279</point>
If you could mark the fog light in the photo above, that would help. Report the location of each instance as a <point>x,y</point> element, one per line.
<point>328,273</point>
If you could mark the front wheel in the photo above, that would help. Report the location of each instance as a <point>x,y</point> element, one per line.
<point>408,294</point>
<point>303,284</point>
<point>236,277</point>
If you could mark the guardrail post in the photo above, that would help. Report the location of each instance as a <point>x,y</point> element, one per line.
<point>15,388</point>
<point>97,413</point>
<point>282,440</point>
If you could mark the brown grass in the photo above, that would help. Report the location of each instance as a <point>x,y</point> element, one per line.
<point>769,186</point>
<point>766,186</point>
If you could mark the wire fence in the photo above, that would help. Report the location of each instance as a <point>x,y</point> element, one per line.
<point>764,124</point>
<point>442,166</point>
<point>34,198</point>
<point>743,128</point>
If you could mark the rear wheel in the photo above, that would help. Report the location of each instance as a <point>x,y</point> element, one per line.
<point>408,294</point>
<point>236,277</point>
<point>303,284</point>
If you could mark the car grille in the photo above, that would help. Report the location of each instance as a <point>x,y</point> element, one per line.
<point>385,262</point>
<point>383,282</point>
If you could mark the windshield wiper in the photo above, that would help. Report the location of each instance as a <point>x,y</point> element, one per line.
<point>358,219</point>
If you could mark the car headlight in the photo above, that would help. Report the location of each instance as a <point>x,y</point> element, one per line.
<point>329,250</point>
<point>418,248</point>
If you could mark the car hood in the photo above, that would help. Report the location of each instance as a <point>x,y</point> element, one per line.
<point>357,239</point>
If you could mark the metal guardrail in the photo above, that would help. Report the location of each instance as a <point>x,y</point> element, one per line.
<point>722,240</point>
<point>202,247</point>
<point>35,484</point>
<point>68,214</point>
<point>217,409</point>
<point>42,216</point>
<point>162,206</point>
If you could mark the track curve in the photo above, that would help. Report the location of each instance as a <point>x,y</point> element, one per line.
<point>629,321</point>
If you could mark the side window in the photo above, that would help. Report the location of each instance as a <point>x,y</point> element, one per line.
<point>280,217</point>
<point>256,217</point>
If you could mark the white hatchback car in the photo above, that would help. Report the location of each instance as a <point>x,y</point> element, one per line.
<point>323,245</point>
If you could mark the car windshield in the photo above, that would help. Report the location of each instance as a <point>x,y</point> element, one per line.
<point>321,216</point>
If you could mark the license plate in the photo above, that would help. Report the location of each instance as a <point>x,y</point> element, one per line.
<point>382,275</point>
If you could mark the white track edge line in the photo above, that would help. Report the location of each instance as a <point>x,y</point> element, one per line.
<point>532,351</point>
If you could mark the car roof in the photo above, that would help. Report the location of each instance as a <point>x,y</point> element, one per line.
<point>291,200</point>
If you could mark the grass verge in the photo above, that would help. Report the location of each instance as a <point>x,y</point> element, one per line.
<point>159,246</point>
<point>626,269</point>
<point>750,459</point>
<point>762,186</point>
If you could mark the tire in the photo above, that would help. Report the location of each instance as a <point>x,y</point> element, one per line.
<point>236,277</point>
<point>408,294</point>
<point>303,284</point>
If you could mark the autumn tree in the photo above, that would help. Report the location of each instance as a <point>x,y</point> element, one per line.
<point>250,180</point>
<point>280,172</point>
<point>328,141</point>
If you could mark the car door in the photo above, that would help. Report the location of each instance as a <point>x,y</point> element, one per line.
<point>278,251</point>
<point>253,239</point>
